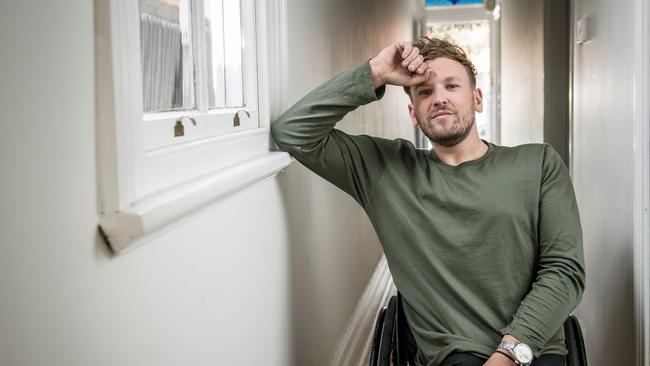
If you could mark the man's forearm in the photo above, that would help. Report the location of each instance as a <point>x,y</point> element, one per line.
<point>312,118</point>
<point>352,163</point>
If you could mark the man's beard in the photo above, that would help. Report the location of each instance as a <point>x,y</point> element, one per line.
<point>460,129</point>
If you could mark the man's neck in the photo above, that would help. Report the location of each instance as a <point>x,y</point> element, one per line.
<point>471,148</point>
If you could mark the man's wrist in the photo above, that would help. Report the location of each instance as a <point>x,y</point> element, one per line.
<point>376,73</point>
<point>507,355</point>
<point>520,353</point>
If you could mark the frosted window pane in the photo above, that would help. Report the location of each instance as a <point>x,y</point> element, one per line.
<point>224,46</point>
<point>215,52</point>
<point>166,51</point>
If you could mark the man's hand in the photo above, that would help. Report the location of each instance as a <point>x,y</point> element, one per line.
<point>398,64</point>
<point>499,359</point>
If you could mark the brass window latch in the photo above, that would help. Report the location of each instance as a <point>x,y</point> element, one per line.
<point>235,120</point>
<point>179,129</point>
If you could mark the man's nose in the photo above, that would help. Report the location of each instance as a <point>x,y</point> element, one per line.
<point>439,99</point>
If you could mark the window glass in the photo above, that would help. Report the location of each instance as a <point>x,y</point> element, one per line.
<point>166,54</point>
<point>224,50</point>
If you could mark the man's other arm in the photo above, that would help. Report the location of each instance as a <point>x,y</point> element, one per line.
<point>560,280</point>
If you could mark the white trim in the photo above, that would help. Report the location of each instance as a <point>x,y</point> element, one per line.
<point>146,185</point>
<point>152,215</point>
<point>642,182</point>
<point>127,97</point>
<point>250,60</point>
<point>173,165</point>
<point>157,129</point>
<point>274,73</point>
<point>355,345</point>
<point>226,138</point>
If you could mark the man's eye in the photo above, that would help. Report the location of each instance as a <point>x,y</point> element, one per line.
<point>452,86</point>
<point>424,92</point>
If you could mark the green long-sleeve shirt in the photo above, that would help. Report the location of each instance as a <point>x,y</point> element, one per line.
<point>490,247</point>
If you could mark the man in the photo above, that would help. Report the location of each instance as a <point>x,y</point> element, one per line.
<point>483,241</point>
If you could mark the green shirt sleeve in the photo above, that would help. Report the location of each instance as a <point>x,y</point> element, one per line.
<point>560,279</point>
<point>306,131</point>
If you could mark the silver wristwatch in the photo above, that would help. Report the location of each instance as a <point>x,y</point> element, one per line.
<point>520,352</point>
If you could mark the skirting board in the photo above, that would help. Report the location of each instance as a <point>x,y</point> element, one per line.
<point>355,344</point>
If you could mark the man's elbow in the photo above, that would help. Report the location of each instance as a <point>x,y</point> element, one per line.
<point>278,134</point>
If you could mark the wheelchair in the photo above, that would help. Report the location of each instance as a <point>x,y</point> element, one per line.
<point>393,343</point>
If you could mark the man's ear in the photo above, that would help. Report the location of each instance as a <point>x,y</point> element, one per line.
<point>414,119</point>
<point>478,100</point>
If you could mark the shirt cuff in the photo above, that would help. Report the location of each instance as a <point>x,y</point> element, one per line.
<point>365,76</point>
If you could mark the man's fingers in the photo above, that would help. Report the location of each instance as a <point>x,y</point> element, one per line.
<point>416,63</point>
<point>405,49</point>
<point>415,52</point>
<point>422,68</point>
<point>413,69</point>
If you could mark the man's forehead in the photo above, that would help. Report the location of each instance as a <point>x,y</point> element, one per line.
<point>442,69</point>
<point>444,62</point>
<point>434,77</point>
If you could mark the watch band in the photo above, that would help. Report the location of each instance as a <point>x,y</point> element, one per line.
<point>506,354</point>
<point>509,345</point>
<point>520,352</point>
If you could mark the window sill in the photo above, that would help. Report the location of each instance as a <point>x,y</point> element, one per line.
<point>154,214</point>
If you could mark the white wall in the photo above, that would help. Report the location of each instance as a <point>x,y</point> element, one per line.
<point>268,277</point>
<point>198,295</point>
<point>602,161</point>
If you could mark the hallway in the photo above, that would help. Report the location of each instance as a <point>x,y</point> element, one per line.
<point>147,229</point>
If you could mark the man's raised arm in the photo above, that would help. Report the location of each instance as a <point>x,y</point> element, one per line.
<point>307,131</point>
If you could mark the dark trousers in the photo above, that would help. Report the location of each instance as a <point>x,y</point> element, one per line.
<point>468,359</point>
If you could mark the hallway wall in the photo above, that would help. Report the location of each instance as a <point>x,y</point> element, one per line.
<point>603,176</point>
<point>535,73</point>
<point>333,245</point>
<point>267,278</point>
<point>522,71</point>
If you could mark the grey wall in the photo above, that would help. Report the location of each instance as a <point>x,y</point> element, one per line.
<point>535,73</point>
<point>331,266</point>
<point>268,277</point>
<point>522,71</point>
<point>603,176</point>
<point>556,76</point>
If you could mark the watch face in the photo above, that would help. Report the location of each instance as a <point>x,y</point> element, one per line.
<point>523,353</point>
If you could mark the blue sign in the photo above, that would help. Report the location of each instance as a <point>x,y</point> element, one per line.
<point>452,2</point>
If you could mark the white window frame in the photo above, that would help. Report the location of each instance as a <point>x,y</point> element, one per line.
<point>470,13</point>
<point>148,180</point>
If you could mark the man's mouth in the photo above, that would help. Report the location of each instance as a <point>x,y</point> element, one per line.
<point>441,113</point>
